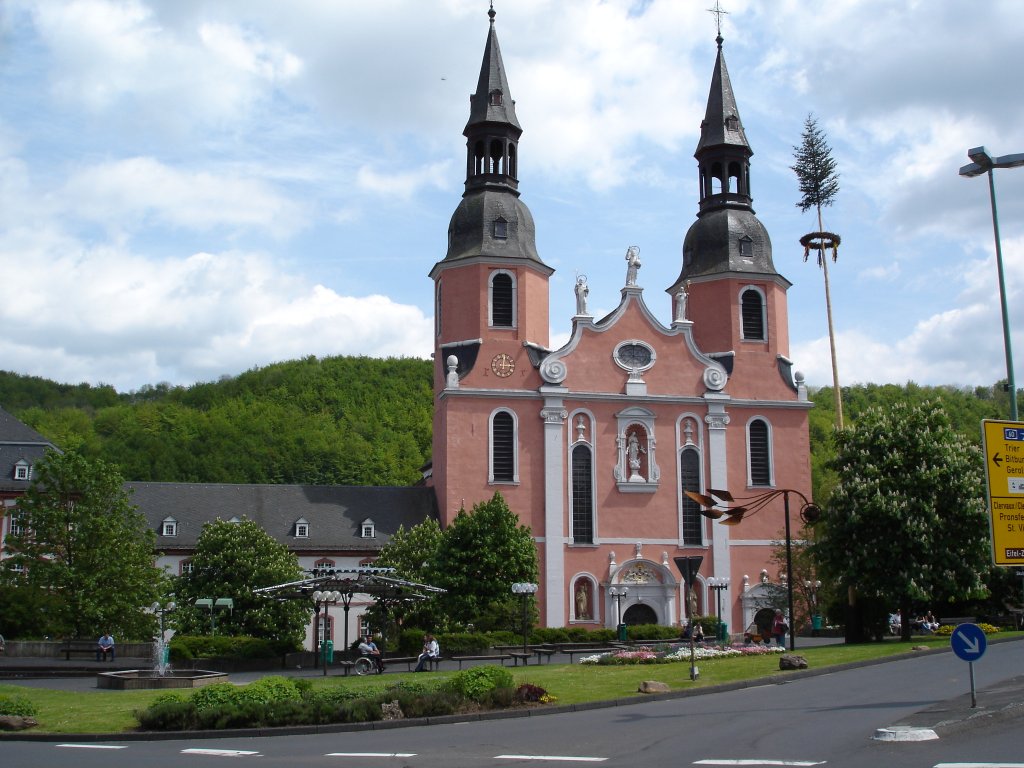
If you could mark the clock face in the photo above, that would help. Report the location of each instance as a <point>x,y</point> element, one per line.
<point>503,365</point>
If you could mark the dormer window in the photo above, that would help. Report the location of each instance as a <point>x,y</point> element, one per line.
<point>367,529</point>
<point>495,98</point>
<point>500,229</point>
<point>746,247</point>
<point>301,529</point>
<point>169,527</point>
<point>22,470</point>
<point>732,123</point>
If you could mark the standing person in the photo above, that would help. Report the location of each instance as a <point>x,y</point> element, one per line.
<point>779,628</point>
<point>431,650</point>
<point>104,646</point>
<point>369,648</point>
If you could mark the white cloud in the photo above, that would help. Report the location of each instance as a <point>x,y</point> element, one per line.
<point>407,184</point>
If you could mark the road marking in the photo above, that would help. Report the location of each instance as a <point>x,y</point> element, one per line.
<point>218,752</point>
<point>760,762</point>
<point>553,758</point>
<point>90,746</point>
<point>370,754</point>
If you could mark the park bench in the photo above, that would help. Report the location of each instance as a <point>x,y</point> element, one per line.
<point>409,661</point>
<point>954,620</point>
<point>523,656</point>
<point>87,647</point>
<point>544,652</point>
<point>502,657</point>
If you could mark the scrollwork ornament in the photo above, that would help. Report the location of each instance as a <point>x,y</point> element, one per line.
<point>554,371</point>
<point>714,378</point>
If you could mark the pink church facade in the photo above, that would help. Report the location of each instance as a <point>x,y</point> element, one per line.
<point>594,444</point>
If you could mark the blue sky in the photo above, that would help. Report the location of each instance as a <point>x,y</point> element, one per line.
<point>191,189</point>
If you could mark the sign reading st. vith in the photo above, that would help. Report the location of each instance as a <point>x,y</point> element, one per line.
<point>1003,443</point>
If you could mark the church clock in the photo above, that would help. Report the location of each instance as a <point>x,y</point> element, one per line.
<point>503,365</point>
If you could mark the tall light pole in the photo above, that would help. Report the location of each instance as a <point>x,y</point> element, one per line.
<point>525,589</point>
<point>983,162</point>
<point>618,593</point>
<point>809,513</point>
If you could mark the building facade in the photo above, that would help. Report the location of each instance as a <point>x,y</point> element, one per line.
<point>594,444</point>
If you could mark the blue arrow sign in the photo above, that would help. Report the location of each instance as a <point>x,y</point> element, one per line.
<point>968,642</point>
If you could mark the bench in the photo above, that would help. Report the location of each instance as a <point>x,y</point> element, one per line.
<point>502,657</point>
<point>409,661</point>
<point>546,653</point>
<point>523,656</point>
<point>954,620</point>
<point>87,647</point>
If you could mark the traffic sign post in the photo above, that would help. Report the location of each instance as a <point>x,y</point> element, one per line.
<point>968,642</point>
<point>1003,443</point>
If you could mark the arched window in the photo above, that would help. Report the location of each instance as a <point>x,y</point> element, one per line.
<point>689,480</point>
<point>759,452</point>
<point>752,315</point>
<point>503,300</point>
<point>582,494</point>
<point>503,457</point>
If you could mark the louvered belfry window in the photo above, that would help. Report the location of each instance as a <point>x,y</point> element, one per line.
<point>689,472</point>
<point>752,309</point>
<point>501,301</point>
<point>760,456</point>
<point>582,496</point>
<point>503,447</point>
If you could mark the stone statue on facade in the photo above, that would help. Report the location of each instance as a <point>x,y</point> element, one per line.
<point>633,264</point>
<point>582,291</point>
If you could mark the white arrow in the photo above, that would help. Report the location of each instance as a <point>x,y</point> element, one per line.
<point>972,645</point>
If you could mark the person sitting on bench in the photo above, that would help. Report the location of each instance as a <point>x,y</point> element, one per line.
<point>431,650</point>
<point>104,646</point>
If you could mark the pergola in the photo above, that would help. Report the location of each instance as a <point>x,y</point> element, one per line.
<point>330,586</point>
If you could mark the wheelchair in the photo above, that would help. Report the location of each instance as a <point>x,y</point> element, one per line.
<point>365,665</point>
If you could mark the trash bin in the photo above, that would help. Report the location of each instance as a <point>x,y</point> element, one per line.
<point>329,651</point>
<point>623,637</point>
<point>816,622</point>
<point>723,632</point>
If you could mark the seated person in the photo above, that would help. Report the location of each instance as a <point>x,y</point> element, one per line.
<point>104,646</point>
<point>698,634</point>
<point>431,650</point>
<point>369,649</point>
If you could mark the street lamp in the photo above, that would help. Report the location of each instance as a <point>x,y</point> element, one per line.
<point>322,599</point>
<point>812,588</point>
<point>809,513</point>
<point>525,589</point>
<point>618,593</point>
<point>985,163</point>
<point>213,605</point>
<point>717,584</point>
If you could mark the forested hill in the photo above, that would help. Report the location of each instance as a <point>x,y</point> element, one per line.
<point>337,420</point>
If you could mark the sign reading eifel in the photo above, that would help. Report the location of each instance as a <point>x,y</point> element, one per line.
<point>1003,443</point>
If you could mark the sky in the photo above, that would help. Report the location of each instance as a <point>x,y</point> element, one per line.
<point>191,189</point>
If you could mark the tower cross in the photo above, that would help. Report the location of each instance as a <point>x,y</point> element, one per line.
<point>717,10</point>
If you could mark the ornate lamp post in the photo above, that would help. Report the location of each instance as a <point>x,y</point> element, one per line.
<point>809,513</point>
<point>618,593</point>
<point>717,584</point>
<point>213,606</point>
<point>525,589</point>
<point>983,162</point>
<point>323,599</point>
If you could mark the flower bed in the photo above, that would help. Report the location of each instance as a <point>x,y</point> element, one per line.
<point>667,654</point>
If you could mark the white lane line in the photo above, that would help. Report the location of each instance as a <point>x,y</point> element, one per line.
<point>218,752</point>
<point>760,762</point>
<point>370,754</point>
<point>90,746</point>
<point>553,758</point>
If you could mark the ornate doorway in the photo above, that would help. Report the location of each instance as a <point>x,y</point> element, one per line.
<point>639,614</point>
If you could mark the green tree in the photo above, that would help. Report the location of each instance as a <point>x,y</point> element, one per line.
<point>410,552</point>
<point>232,559</point>
<point>482,553</point>
<point>85,550</point>
<point>907,523</point>
<point>816,173</point>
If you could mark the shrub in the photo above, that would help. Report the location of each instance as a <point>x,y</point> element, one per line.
<point>269,689</point>
<point>462,643</point>
<point>361,711</point>
<point>18,706</point>
<point>528,693</point>
<point>331,697</point>
<point>167,716</point>
<point>477,682</point>
<point>214,695</point>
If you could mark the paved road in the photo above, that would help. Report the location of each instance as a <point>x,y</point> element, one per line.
<point>828,720</point>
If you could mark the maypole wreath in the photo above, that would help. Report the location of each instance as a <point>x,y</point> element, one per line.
<point>819,241</point>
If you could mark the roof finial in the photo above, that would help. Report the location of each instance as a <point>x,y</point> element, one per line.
<point>717,10</point>
<point>491,12</point>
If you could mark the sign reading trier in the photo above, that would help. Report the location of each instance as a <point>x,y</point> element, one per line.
<point>1003,443</point>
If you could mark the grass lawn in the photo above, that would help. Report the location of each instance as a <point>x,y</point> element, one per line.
<point>103,711</point>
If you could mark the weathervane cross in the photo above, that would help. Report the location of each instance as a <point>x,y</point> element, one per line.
<point>717,10</point>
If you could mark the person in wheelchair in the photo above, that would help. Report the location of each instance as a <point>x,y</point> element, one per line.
<point>369,649</point>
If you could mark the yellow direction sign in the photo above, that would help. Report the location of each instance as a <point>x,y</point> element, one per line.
<point>1003,443</point>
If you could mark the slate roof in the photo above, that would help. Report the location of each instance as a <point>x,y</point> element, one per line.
<point>334,513</point>
<point>18,441</point>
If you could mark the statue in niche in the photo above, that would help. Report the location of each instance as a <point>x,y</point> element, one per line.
<point>633,452</point>
<point>633,264</point>
<point>582,291</point>
<point>582,601</point>
<point>681,296</point>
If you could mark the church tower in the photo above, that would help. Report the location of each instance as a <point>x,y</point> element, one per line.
<point>727,254</point>
<point>491,306</point>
